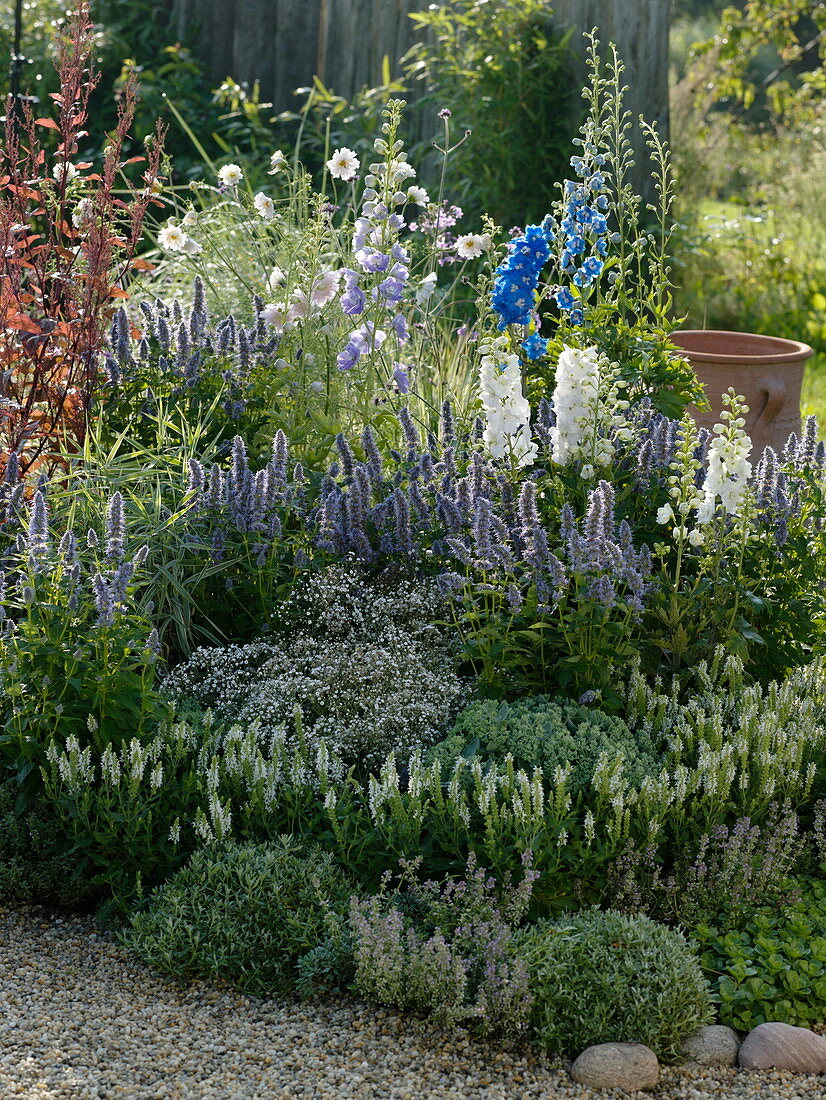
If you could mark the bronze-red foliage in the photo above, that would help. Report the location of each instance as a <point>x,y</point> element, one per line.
<point>68,240</point>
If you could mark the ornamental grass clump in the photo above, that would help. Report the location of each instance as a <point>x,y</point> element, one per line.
<point>601,977</point>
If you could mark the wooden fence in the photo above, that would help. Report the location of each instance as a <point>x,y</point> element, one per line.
<point>283,43</point>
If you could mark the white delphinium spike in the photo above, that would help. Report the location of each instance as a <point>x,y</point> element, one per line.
<point>507,411</point>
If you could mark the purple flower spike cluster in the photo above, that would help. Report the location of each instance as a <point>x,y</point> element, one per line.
<point>383,264</point>
<point>189,346</point>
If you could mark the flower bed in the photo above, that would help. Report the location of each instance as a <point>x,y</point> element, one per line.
<point>370,638</point>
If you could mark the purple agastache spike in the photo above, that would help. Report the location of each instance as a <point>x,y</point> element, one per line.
<point>346,456</point>
<point>528,514</point>
<point>37,540</point>
<point>68,548</point>
<point>115,527</point>
<point>481,531</point>
<point>447,424</point>
<point>409,430</point>
<point>373,456</point>
<point>104,601</point>
<point>401,511</point>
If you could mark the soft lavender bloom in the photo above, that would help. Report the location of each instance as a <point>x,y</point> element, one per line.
<point>409,430</point>
<point>37,541</point>
<point>373,455</point>
<point>349,356</point>
<point>401,511</point>
<point>104,600</point>
<point>528,514</point>
<point>115,527</point>
<point>346,455</point>
<point>482,532</point>
<point>603,591</point>
<point>447,424</point>
<point>120,582</point>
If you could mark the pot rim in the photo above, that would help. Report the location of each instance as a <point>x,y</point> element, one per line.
<point>785,351</point>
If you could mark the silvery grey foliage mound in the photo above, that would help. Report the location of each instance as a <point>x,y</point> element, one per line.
<point>363,668</point>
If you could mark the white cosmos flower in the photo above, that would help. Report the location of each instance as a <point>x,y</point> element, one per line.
<point>190,247</point>
<point>264,206</point>
<point>230,175</point>
<point>277,162</point>
<point>172,238</point>
<point>189,219</point>
<point>472,245</point>
<point>343,164</point>
<point>418,195</point>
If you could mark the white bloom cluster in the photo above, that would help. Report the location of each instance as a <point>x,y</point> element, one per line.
<point>172,238</point>
<point>364,670</point>
<point>728,466</point>
<point>588,409</point>
<point>507,412</point>
<point>726,476</point>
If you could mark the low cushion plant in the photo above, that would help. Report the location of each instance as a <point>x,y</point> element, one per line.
<point>246,915</point>
<point>599,977</point>
<point>771,967</point>
<point>539,731</point>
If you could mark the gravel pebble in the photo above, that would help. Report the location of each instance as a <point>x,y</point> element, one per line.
<point>81,1019</point>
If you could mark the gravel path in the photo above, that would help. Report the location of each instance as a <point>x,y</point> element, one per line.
<point>80,1018</point>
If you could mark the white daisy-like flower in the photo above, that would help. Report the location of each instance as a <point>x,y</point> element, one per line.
<point>190,247</point>
<point>63,172</point>
<point>472,245</point>
<point>277,162</point>
<point>189,219</point>
<point>230,175</point>
<point>418,195</point>
<point>172,238</point>
<point>343,164</point>
<point>264,206</point>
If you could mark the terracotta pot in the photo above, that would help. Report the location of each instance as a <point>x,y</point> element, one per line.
<point>766,370</point>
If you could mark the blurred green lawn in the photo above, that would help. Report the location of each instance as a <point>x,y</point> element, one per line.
<point>814,390</point>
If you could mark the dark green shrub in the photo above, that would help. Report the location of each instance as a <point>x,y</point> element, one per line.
<point>599,977</point>
<point>35,869</point>
<point>248,916</point>
<point>548,733</point>
<point>773,967</point>
<point>506,75</point>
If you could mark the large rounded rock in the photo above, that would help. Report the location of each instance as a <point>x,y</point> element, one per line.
<point>715,1045</point>
<point>781,1046</point>
<point>629,1066</point>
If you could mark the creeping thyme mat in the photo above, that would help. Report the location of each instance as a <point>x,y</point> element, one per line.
<point>81,1018</point>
